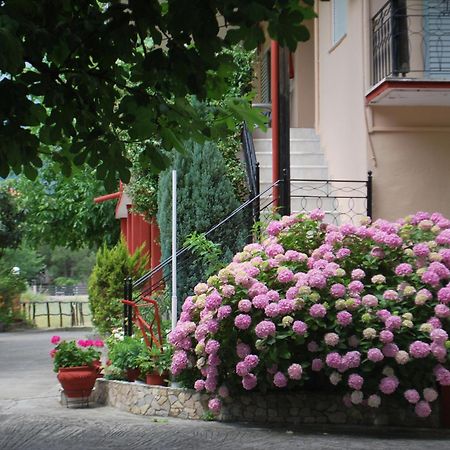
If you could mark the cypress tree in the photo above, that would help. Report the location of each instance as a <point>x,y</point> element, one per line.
<point>205,196</point>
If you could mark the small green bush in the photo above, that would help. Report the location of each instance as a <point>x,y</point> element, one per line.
<point>105,287</point>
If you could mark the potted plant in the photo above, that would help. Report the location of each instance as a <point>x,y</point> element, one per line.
<point>124,355</point>
<point>77,365</point>
<point>155,364</point>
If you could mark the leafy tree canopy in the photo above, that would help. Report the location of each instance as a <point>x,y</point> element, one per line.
<point>61,211</point>
<point>79,79</point>
<point>10,220</point>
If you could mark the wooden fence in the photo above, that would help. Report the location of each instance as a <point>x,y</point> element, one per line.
<point>68,313</point>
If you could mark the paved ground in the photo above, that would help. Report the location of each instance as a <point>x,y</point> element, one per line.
<point>32,418</point>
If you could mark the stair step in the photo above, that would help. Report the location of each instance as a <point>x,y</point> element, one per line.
<point>296,146</point>
<point>297,159</point>
<point>294,133</point>
<point>303,172</point>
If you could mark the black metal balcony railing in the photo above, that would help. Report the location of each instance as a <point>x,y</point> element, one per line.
<point>411,38</point>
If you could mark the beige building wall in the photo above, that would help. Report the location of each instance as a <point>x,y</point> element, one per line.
<point>407,148</point>
<point>340,99</point>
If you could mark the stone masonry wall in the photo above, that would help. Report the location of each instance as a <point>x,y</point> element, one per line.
<point>274,408</point>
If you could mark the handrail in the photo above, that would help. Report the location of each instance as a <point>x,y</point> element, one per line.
<point>250,160</point>
<point>183,250</point>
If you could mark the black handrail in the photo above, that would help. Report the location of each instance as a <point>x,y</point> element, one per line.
<point>251,163</point>
<point>139,282</point>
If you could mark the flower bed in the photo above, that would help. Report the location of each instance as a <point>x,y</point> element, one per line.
<point>361,308</point>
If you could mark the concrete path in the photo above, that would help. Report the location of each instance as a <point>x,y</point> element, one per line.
<point>32,418</point>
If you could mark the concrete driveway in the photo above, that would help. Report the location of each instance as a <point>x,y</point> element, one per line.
<point>32,418</point>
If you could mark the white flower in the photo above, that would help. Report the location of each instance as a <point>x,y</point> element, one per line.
<point>426,328</point>
<point>374,401</point>
<point>388,371</point>
<point>407,316</point>
<point>357,397</point>
<point>430,395</point>
<point>407,323</point>
<point>340,272</point>
<point>401,357</point>
<point>369,333</point>
<point>335,378</point>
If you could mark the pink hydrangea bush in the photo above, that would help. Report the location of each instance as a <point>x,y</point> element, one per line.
<point>363,309</point>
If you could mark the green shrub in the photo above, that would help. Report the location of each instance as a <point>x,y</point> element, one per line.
<point>11,286</point>
<point>204,197</point>
<point>105,287</point>
<point>125,354</point>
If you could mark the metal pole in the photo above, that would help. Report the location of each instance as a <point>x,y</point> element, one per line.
<point>284,128</point>
<point>125,309</point>
<point>258,200</point>
<point>369,194</point>
<point>274,94</point>
<point>48,315</point>
<point>174,249</point>
<point>129,310</point>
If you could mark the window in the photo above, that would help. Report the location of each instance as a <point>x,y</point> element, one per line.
<point>339,18</point>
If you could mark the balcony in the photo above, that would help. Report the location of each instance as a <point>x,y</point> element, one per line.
<point>411,54</point>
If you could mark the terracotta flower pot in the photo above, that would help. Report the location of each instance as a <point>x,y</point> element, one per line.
<point>133,374</point>
<point>77,381</point>
<point>155,379</point>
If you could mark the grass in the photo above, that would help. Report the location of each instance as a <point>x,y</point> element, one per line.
<point>41,320</point>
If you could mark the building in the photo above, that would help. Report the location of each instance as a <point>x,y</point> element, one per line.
<point>373,82</point>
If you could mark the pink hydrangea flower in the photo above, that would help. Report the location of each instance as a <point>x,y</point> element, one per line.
<point>280,380</point>
<point>442,311</point>
<point>265,328</point>
<point>355,381</point>
<point>331,339</point>
<point>285,276</point>
<point>393,323</point>
<point>352,359</point>
<point>412,396</point>
<point>337,290</point>
<point>370,301</point>
<point>390,350</point>
<point>419,349</point>
<point>212,346</point>
<point>358,274</point>
<point>422,409</point>
<point>295,371</point>
<point>299,327</point>
<point>244,305</point>
<point>215,405</point>
<point>249,382</point>
<point>223,312</point>
<point>344,318</point>
<point>251,361</point>
<point>388,385</point>
<point>242,321</point>
<point>274,228</point>
<point>242,350</point>
<point>403,269</point>
<point>199,385</point>
<point>316,365</point>
<point>272,310</point>
<point>444,295</point>
<point>375,355</point>
<point>390,294</point>
<point>260,301</point>
<point>317,310</point>
<point>312,347</point>
<point>439,336</point>
<point>355,287</point>
<point>333,360</point>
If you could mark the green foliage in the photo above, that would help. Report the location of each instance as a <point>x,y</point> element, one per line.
<point>10,220</point>
<point>80,80</point>
<point>69,354</point>
<point>11,286</point>
<point>124,354</point>
<point>30,262</point>
<point>61,211</point>
<point>208,252</point>
<point>105,286</point>
<point>204,197</point>
<point>155,360</point>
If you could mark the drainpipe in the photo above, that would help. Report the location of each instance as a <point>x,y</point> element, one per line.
<point>274,68</point>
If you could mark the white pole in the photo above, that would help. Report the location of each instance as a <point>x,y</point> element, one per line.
<point>174,249</point>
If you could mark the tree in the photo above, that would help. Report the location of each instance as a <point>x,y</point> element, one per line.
<point>61,212</point>
<point>79,79</point>
<point>205,196</point>
<point>10,220</point>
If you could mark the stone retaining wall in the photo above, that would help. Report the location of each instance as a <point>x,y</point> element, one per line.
<point>274,408</point>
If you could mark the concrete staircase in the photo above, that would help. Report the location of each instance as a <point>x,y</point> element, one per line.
<point>307,163</point>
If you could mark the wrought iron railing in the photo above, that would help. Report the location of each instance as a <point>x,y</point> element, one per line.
<point>411,39</point>
<point>341,200</point>
<point>155,283</point>
<point>252,169</point>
